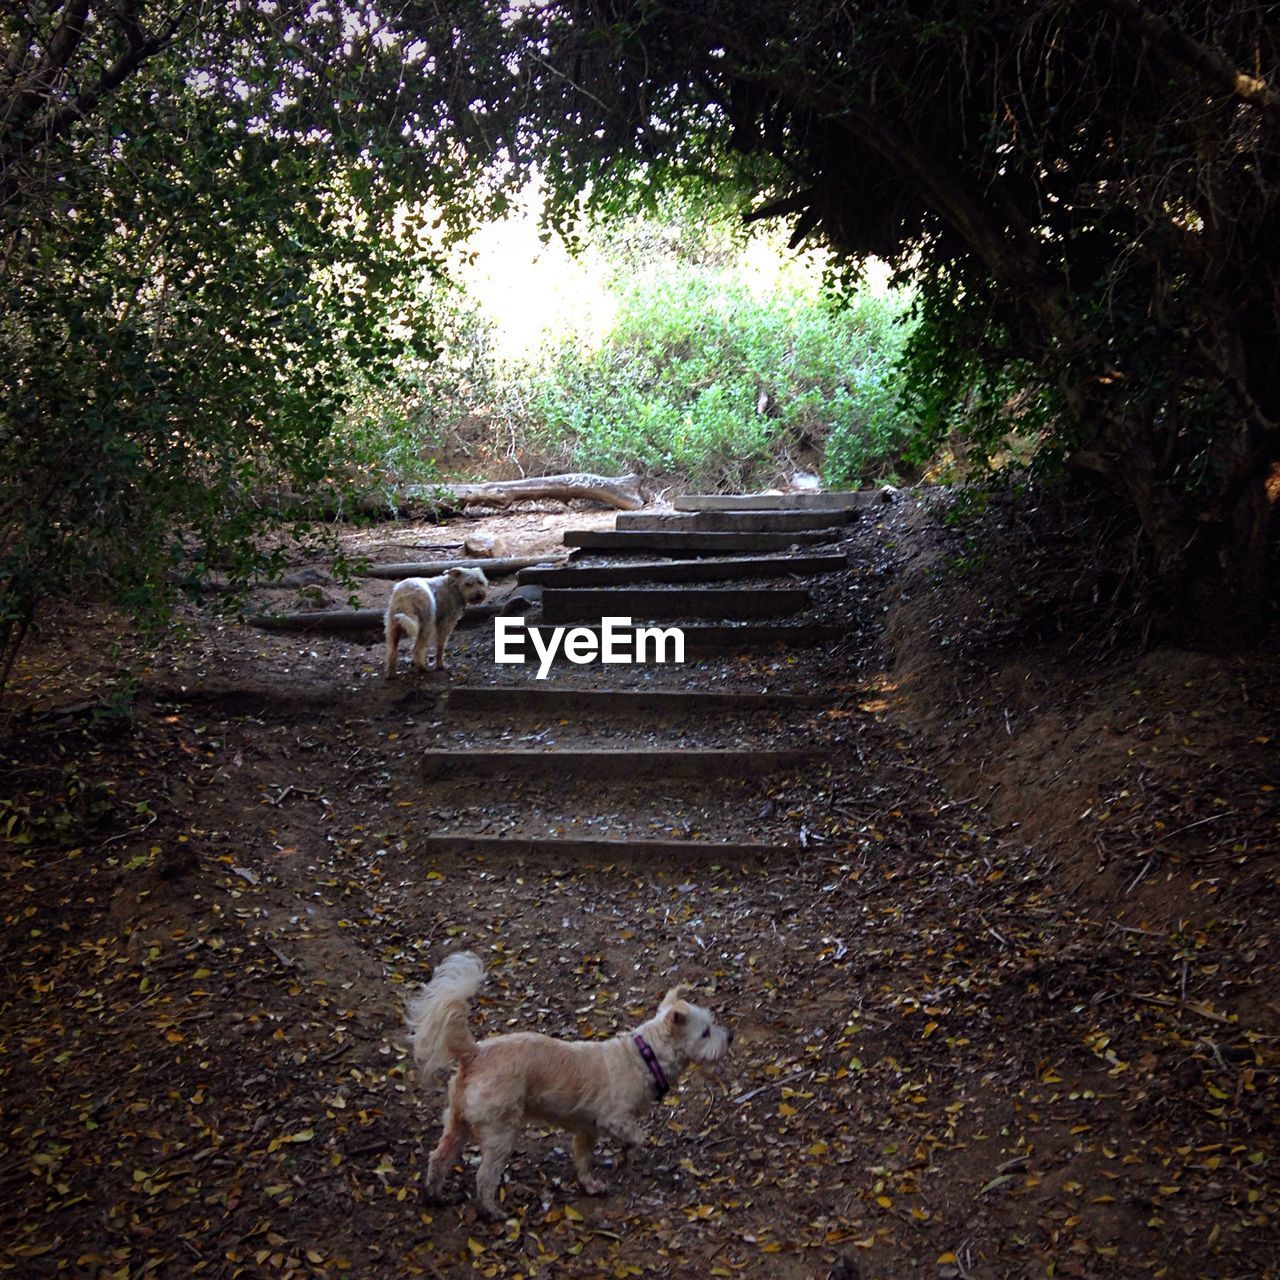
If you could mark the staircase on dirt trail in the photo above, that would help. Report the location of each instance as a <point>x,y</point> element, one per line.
<point>655,749</point>
<point>702,638</point>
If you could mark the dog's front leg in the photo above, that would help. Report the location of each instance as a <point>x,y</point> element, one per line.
<point>628,1130</point>
<point>497,1142</point>
<point>584,1145</point>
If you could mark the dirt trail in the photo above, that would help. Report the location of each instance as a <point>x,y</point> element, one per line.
<point>943,1067</point>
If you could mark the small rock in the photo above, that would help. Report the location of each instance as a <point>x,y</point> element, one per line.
<point>306,578</point>
<point>522,600</point>
<point>485,546</point>
<point>313,598</point>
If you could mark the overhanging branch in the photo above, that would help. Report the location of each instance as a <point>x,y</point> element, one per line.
<point>1206,62</point>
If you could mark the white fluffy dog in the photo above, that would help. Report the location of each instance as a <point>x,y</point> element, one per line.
<point>584,1086</point>
<point>427,610</point>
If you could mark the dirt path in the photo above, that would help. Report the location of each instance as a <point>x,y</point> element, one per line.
<point>942,1068</point>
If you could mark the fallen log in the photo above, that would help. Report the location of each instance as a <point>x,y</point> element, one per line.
<point>622,492</point>
<point>439,501</point>
<point>320,621</point>
<point>430,568</point>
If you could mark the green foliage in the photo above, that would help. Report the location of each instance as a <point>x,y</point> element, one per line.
<point>391,431</point>
<point>705,371</point>
<point>210,256</point>
<point>190,276</point>
<point>1086,199</point>
<point>968,390</point>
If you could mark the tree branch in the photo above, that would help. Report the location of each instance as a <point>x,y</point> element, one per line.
<point>35,87</point>
<point>140,48</point>
<point>1208,63</point>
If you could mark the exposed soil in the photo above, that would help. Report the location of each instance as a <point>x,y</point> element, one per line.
<point>1006,1001</point>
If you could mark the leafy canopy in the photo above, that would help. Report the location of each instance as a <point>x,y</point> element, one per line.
<point>209,216</point>
<point>206,224</point>
<point>1084,195</point>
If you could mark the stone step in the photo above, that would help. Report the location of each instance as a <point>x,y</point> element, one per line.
<point>558,701</point>
<point>603,848</point>
<point>586,604</point>
<point>692,543</point>
<point>847,498</point>
<point>736,521</point>
<point>513,764</point>
<point>706,638</point>
<point>606,575</point>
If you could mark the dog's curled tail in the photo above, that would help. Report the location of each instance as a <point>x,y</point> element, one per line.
<point>437,1013</point>
<point>407,623</point>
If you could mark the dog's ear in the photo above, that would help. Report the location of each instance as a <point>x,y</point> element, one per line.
<point>679,992</point>
<point>456,574</point>
<point>676,1017</point>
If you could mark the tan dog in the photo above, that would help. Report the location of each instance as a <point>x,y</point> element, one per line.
<point>427,610</point>
<point>585,1086</point>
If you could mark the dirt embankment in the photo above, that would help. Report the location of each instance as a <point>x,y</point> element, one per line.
<point>1152,779</point>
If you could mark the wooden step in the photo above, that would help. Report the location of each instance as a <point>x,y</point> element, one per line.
<point>692,543</point>
<point>705,638</point>
<point>513,764</point>
<point>586,604</point>
<point>602,848</point>
<point>847,498</point>
<point>558,701</point>
<point>606,575</point>
<point>737,521</point>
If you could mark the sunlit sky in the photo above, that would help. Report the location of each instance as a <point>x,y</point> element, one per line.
<point>529,287</point>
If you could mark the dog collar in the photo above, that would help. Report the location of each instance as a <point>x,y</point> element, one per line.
<point>650,1059</point>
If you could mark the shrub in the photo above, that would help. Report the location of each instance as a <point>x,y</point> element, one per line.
<point>704,376</point>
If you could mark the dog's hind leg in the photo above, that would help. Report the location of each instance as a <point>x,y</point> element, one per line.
<point>584,1145</point>
<point>497,1142</point>
<point>422,645</point>
<point>446,1152</point>
<point>393,644</point>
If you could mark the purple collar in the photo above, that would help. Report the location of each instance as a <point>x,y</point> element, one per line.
<point>655,1067</point>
